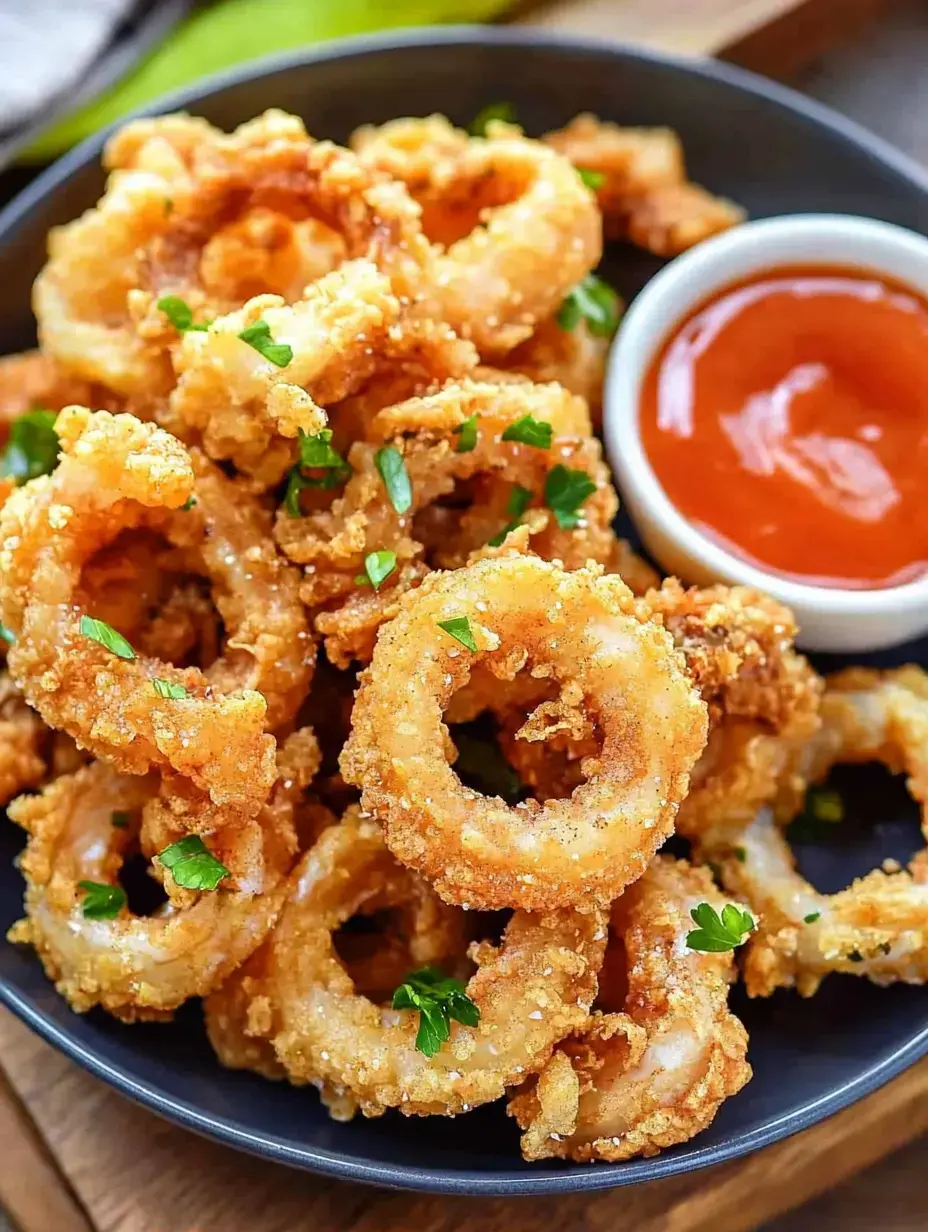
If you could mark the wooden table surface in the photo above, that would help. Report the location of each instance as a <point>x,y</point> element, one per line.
<point>74,1157</point>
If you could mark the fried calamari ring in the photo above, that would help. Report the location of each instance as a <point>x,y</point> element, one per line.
<point>645,196</point>
<point>878,927</point>
<point>580,629</point>
<point>520,228</point>
<point>530,991</point>
<point>142,967</point>
<point>635,1082</point>
<point>117,473</point>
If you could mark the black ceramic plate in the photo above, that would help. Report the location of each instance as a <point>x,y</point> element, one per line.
<point>752,141</point>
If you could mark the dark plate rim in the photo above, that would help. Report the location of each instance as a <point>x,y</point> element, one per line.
<point>404,1176</point>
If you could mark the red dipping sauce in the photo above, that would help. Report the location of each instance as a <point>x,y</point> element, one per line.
<point>787,418</point>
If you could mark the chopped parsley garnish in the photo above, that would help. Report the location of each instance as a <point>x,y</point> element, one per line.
<point>595,302</point>
<point>175,692</point>
<point>392,468</point>
<point>258,336</point>
<point>31,447</point>
<point>811,917</point>
<point>192,864</point>
<point>823,808</point>
<point>493,111</point>
<point>519,500</point>
<point>180,314</point>
<point>106,635</point>
<point>530,431</point>
<point>188,504</point>
<point>565,492</point>
<point>438,998</point>
<point>592,179</point>
<point>740,854</point>
<point>377,568</point>
<point>316,453</point>
<point>119,820</point>
<point>7,634</point>
<point>467,432</point>
<point>102,902</point>
<point>459,628</point>
<point>716,933</point>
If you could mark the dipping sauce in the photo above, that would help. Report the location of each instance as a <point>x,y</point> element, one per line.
<point>787,418</point>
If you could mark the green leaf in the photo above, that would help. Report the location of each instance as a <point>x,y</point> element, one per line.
<point>316,453</point>
<point>493,111</point>
<point>7,634</point>
<point>180,314</point>
<point>530,431</point>
<point>106,635</point>
<point>715,933</point>
<point>740,855</point>
<point>437,998</point>
<point>565,492</point>
<point>120,820</point>
<point>823,808</point>
<point>31,447</point>
<point>519,500</point>
<point>192,864</point>
<point>188,504</point>
<point>377,566</point>
<point>592,179</point>
<point>102,902</point>
<point>459,628</point>
<point>467,431</point>
<point>812,917</point>
<point>174,692</point>
<point>392,468</point>
<point>258,337</point>
<point>595,302</point>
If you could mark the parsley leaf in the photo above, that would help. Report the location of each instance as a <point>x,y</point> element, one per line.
<point>530,431</point>
<point>106,635</point>
<point>519,500</point>
<point>811,917</point>
<point>258,336</point>
<point>595,302</point>
<point>740,854</point>
<point>592,179</point>
<point>715,933</point>
<point>174,692</point>
<point>188,504</point>
<point>180,314</point>
<point>467,431</point>
<point>7,634</point>
<point>377,567</point>
<point>438,998</point>
<point>192,864</point>
<point>102,902</point>
<point>492,111</point>
<point>316,453</point>
<point>459,628</point>
<point>565,492</point>
<point>31,447</point>
<point>823,808</point>
<point>119,820</point>
<point>389,462</point>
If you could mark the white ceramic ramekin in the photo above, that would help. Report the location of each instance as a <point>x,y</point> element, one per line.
<point>830,619</point>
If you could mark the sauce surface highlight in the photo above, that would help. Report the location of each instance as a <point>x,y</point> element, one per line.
<point>787,418</point>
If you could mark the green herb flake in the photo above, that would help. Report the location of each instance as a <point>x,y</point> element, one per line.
<point>519,500</point>
<point>592,179</point>
<point>493,111</point>
<point>192,864</point>
<point>438,999</point>
<point>718,933</point>
<point>377,568</point>
<point>174,692</point>
<point>119,820</point>
<point>811,917</point>
<point>459,628</point>
<point>31,447</point>
<point>823,808</point>
<point>467,434</point>
<point>565,492</point>
<point>258,337</point>
<point>316,453</point>
<point>392,468</point>
<point>106,635</point>
<point>180,314</point>
<point>530,431</point>
<point>740,855</point>
<point>595,302</point>
<point>7,634</point>
<point>102,902</point>
<point>188,504</point>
